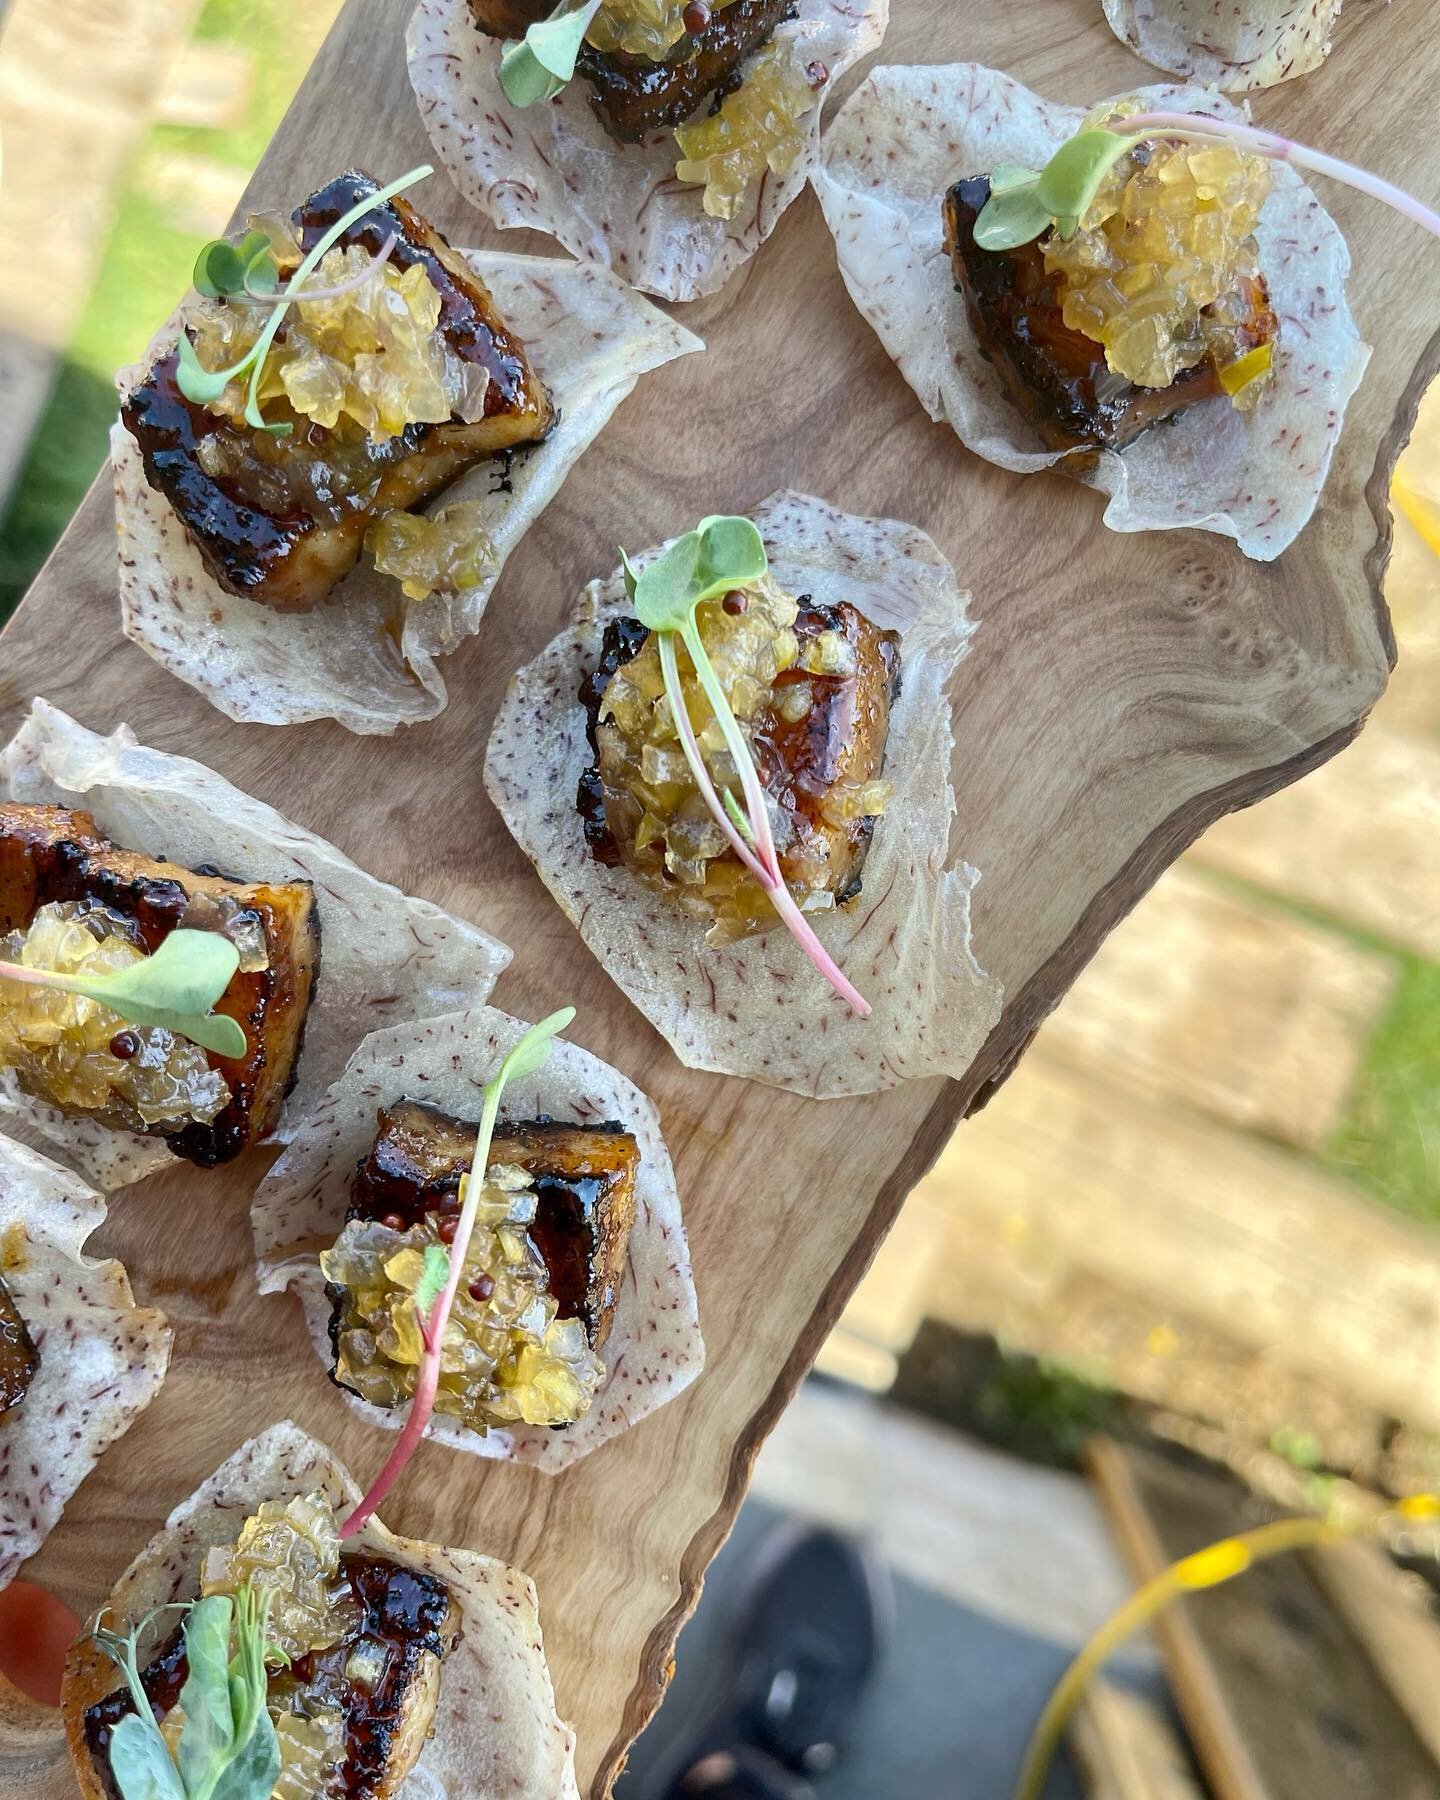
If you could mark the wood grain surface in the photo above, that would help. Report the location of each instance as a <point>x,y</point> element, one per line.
<point>1121,694</point>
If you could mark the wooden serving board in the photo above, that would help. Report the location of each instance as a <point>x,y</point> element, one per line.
<point>1121,694</point>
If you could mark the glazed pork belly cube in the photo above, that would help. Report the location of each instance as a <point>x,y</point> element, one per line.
<point>67,896</point>
<point>1054,375</point>
<point>583,1176</point>
<point>819,747</point>
<point>19,1358</point>
<point>363,1706</point>
<point>281,519</point>
<point>635,95</point>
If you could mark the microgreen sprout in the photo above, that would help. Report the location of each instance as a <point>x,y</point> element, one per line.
<point>721,554</point>
<point>227,1745</point>
<point>1025,203</point>
<point>176,988</point>
<point>445,1268</point>
<point>244,277</point>
<point>1207,1568</point>
<point>543,61</point>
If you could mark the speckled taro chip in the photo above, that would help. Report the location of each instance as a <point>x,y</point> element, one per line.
<point>555,167</point>
<point>366,655</point>
<point>909,134</point>
<point>78,1358</point>
<point>384,956</point>
<point>653,1350</point>
<point>755,1006</point>
<point>496,1733</point>
<point>1232,46</point>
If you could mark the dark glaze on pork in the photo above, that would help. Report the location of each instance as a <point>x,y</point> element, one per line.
<point>840,741</point>
<point>19,1359</point>
<point>634,96</point>
<point>583,1176</point>
<point>290,554</point>
<point>408,1612</point>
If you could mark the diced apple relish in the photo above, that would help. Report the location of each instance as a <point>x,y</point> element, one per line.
<point>312,1743</point>
<point>291,1549</point>
<point>760,125</point>
<point>650,796</point>
<point>1158,270</point>
<point>641,27</point>
<point>440,554</point>
<point>506,1358</point>
<point>373,357</point>
<point>59,1044</point>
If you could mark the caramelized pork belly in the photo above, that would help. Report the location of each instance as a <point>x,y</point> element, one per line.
<point>405,1624</point>
<point>807,764</point>
<point>583,1176</point>
<point>50,855</point>
<point>281,519</point>
<point>1054,375</point>
<point>19,1359</point>
<point>635,96</point>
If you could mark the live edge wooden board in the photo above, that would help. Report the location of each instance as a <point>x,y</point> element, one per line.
<point>1121,694</point>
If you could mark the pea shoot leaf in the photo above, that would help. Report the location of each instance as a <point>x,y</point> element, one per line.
<point>141,1763</point>
<point>533,1049</point>
<point>720,554</point>
<point>543,61</point>
<point>209,1716</point>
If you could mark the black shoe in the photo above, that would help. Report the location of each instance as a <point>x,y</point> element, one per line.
<point>788,1674</point>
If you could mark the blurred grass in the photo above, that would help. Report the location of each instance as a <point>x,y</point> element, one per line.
<point>1389,1141</point>
<point>145,267</point>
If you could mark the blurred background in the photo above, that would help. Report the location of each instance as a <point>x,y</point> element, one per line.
<point>1204,1228</point>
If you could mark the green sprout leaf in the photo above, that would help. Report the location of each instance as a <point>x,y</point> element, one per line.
<point>218,270</point>
<point>720,554</point>
<point>433,1277</point>
<point>197,383</point>
<point>1071,179</point>
<point>209,1733</point>
<point>1012,216</point>
<point>543,62</point>
<point>255,264</point>
<point>176,988</point>
<point>737,816</point>
<point>1023,205</point>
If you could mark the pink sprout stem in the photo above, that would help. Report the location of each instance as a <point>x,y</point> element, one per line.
<point>762,861</point>
<point>295,293</point>
<point>432,1333</point>
<point>1283,149</point>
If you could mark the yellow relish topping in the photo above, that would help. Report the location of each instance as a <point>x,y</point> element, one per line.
<point>1161,265</point>
<point>440,553</point>
<point>290,1549</point>
<point>759,126</point>
<point>641,27</point>
<point>59,1044</point>
<point>506,1356</point>
<point>373,356</point>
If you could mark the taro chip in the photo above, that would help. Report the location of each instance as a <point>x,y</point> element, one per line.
<point>1224,45</point>
<point>101,1357</point>
<point>366,655</point>
<point>908,134</point>
<point>496,1729</point>
<point>384,956</point>
<point>757,1007</point>
<point>654,1350</point>
<point>555,168</point>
